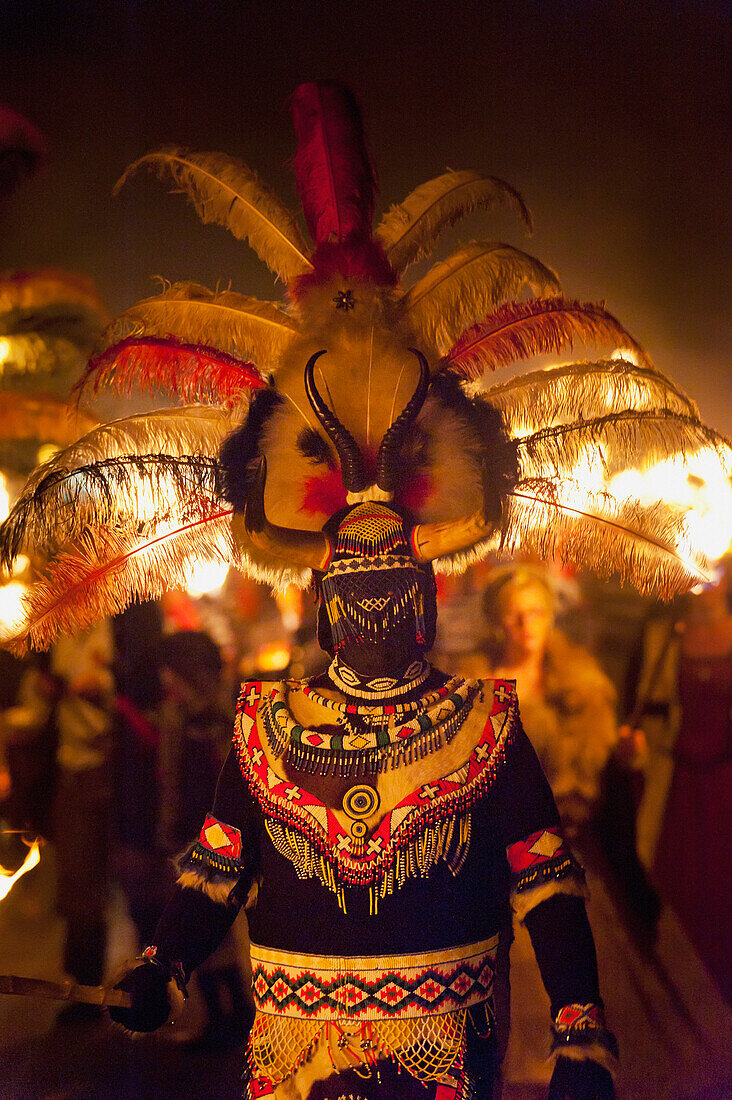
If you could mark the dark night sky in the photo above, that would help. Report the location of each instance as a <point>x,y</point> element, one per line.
<point>612,120</point>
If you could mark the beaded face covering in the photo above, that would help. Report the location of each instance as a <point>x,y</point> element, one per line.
<point>373,585</point>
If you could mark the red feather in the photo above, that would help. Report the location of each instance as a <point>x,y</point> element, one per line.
<point>519,330</point>
<point>333,170</point>
<point>191,372</point>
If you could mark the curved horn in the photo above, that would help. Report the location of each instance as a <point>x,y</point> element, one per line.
<point>392,441</point>
<point>352,467</point>
<point>252,529</point>
<point>436,540</point>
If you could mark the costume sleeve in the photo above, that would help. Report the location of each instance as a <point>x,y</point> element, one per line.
<point>541,864</point>
<point>218,873</point>
<point>547,893</point>
<point>223,862</point>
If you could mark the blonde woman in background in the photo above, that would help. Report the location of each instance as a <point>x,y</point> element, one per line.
<point>567,701</point>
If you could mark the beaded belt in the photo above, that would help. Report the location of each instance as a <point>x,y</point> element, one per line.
<point>372,987</point>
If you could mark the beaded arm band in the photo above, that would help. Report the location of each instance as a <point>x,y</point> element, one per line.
<point>580,1031</point>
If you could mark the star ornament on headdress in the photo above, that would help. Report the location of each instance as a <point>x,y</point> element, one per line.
<point>344,300</point>
<point>260,452</point>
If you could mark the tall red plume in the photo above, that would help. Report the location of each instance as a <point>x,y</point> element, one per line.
<point>22,149</point>
<point>333,170</point>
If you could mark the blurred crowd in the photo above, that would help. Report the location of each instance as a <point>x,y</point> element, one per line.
<point>110,747</point>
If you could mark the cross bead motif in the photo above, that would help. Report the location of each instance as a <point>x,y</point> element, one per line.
<point>257,755</point>
<point>293,793</point>
<point>252,696</point>
<point>429,791</point>
<point>344,843</point>
<point>374,845</point>
<point>503,693</point>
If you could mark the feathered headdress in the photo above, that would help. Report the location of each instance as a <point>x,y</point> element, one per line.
<point>391,405</point>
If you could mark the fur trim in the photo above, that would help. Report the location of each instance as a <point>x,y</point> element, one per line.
<point>590,1052</point>
<point>522,903</point>
<point>242,447</point>
<point>215,886</point>
<point>353,260</point>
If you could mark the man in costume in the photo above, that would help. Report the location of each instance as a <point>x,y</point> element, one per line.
<point>376,822</point>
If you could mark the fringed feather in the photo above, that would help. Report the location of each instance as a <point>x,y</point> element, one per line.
<point>615,442</point>
<point>583,391</point>
<point>409,230</point>
<point>106,572</point>
<point>190,372</point>
<point>42,416</point>
<point>33,354</point>
<point>192,431</point>
<point>242,327</point>
<point>520,330</point>
<point>647,546</point>
<point>225,192</point>
<point>126,494</point>
<point>333,171</point>
<point>472,282</point>
<point>48,286</point>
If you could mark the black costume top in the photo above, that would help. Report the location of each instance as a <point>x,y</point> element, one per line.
<point>377,891</point>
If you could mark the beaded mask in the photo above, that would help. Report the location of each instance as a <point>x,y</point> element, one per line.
<point>374,587</point>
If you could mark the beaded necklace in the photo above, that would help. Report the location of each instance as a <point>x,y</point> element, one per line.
<point>377,687</point>
<point>386,737</point>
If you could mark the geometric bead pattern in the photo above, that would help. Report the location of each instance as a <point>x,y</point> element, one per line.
<point>579,1016</point>
<point>536,848</point>
<point>373,987</point>
<point>363,861</point>
<point>223,840</point>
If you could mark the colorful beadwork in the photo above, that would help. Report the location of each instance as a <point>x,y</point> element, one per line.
<point>539,857</point>
<point>218,847</point>
<point>372,987</point>
<point>373,738</point>
<point>582,1025</point>
<point>430,824</point>
<point>380,687</point>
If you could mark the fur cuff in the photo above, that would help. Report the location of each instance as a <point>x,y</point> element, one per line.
<point>523,901</point>
<point>216,887</point>
<point>214,875</point>
<point>587,1052</point>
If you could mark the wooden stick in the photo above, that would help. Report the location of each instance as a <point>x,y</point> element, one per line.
<point>12,984</point>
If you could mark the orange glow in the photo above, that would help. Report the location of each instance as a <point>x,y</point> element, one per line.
<point>289,601</point>
<point>8,879</point>
<point>272,657</point>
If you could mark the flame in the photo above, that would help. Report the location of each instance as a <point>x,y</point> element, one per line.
<point>206,578</point>
<point>698,485</point>
<point>4,498</point>
<point>12,608</point>
<point>8,879</point>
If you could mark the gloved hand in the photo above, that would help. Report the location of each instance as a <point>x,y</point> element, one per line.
<point>147,982</point>
<point>580,1080</point>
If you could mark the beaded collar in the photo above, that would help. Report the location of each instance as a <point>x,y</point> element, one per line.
<point>377,687</point>
<point>386,737</point>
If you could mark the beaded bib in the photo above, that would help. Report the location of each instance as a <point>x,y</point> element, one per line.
<point>429,824</point>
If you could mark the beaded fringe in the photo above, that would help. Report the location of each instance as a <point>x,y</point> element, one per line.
<point>447,840</point>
